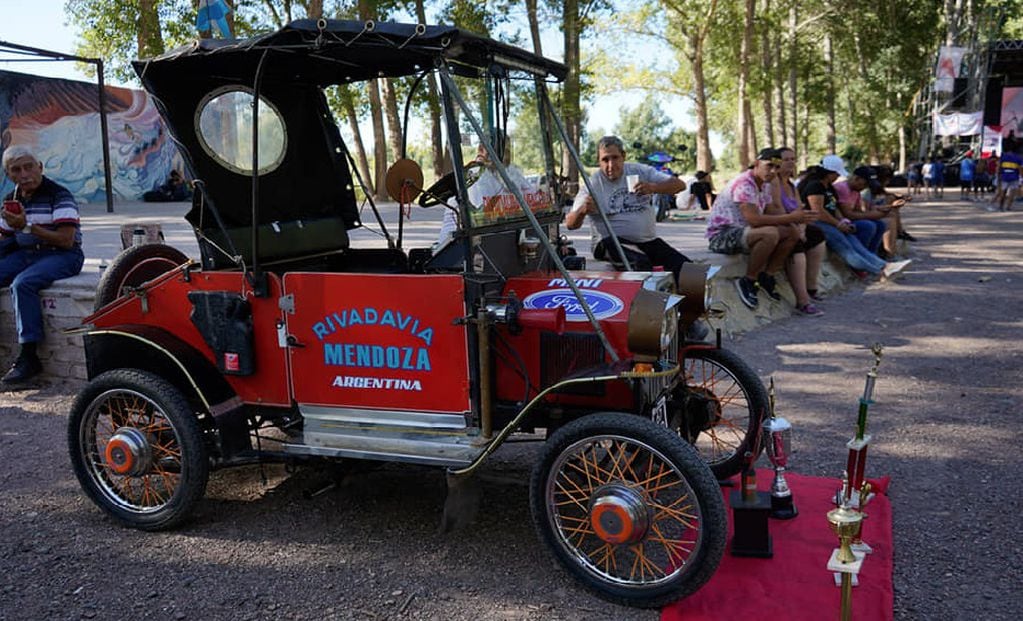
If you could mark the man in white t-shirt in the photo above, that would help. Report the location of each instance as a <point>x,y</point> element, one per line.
<point>632,215</point>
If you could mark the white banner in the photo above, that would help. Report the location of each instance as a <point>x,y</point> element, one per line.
<point>950,60</point>
<point>958,124</point>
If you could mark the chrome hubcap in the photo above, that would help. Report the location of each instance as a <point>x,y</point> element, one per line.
<point>128,452</point>
<point>619,514</point>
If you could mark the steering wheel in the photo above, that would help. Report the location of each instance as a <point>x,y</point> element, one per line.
<point>444,188</point>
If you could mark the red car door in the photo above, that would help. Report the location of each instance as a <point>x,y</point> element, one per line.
<point>378,342</point>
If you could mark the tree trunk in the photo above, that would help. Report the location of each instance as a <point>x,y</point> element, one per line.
<point>534,26</point>
<point>829,105</point>
<point>571,92</point>
<point>779,86</point>
<point>751,135</point>
<point>765,49</point>
<point>393,119</point>
<point>379,140</point>
<point>433,106</point>
<point>742,116</point>
<point>805,135</point>
<point>360,150</point>
<point>149,37</point>
<point>793,64</point>
<point>704,159</point>
<point>315,9</point>
<point>869,122</point>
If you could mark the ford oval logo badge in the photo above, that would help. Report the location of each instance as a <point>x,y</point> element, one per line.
<point>602,304</point>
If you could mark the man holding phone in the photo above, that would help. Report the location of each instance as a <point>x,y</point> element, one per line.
<point>40,242</point>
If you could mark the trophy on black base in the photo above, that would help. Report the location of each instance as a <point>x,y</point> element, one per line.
<point>857,462</point>
<point>778,433</point>
<point>750,510</point>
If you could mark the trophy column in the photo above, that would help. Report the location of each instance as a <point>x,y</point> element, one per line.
<point>858,445</point>
<point>778,433</point>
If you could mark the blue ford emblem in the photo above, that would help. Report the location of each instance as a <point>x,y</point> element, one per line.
<point>603,305</point>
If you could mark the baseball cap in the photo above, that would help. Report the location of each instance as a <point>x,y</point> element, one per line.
<point>834,163</point>
<point>870,175</point>
<point>768,155</point>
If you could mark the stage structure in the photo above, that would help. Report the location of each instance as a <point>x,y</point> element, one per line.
<point>974,92</point>
<point>24,53</point>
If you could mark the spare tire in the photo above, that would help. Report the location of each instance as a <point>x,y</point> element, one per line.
<point>133,267</point>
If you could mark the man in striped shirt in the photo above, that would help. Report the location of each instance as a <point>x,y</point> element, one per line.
<point>40,242</point>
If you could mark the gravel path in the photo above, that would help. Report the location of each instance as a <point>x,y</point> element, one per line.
<point>945,427</point>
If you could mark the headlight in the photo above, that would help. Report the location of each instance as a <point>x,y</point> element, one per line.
<point>653,322</point>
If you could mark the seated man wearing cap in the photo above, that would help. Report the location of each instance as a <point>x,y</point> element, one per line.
<point>868,219</point>
<point>738,224</point>
<point>41,243</point>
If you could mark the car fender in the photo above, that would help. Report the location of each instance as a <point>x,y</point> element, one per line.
<point>158,351</point>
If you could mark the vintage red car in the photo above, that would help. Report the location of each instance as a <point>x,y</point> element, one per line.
<point>289,342</point>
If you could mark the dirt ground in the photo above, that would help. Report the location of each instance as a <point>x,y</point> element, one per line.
<point>945,425</point>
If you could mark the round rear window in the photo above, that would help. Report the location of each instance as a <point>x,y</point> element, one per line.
<point>224,126</point>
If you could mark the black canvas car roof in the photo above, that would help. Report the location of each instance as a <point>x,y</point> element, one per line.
<point>350,51</point>
<point>313,180</point>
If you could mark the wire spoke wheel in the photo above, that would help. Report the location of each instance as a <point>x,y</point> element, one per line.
<point>729,402</point>
<point>137,449</point>
<point>629,509</point>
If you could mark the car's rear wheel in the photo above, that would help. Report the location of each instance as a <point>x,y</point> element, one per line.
<point>137,449</point>
<point>721,408</point>
<point>629,509</point>
<point>133,267</point>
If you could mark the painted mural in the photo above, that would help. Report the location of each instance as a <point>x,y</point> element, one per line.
<point>59,120</point>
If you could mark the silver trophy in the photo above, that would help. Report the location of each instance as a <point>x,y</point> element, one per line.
<point>778,436</point>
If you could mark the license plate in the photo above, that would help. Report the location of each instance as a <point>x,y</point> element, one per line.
<point>660,412</point>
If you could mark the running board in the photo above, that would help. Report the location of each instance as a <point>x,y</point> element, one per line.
<point>339,433</point>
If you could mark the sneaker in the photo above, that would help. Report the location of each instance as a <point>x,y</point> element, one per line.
<point>891,269</point>
<point>861,274</point>
<point>747,291</point>
<point>816,295</point>
<point>809,310</point>
<point>767,284</point>
<point>23,369</point>
<point>906,236</point>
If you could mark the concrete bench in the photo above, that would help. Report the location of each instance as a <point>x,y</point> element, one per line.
<point>68,301</point>
<point>65,304</point>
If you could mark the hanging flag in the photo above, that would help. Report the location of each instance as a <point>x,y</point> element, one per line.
<point>213,16</point>
<point>950,59</point>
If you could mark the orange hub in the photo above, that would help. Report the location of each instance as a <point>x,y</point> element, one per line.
<point>619,514</point>
<point>127,452</point>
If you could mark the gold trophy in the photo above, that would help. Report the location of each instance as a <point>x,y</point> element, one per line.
<point>846,523</point>
<point>857,462</point>
<point>778,435</point>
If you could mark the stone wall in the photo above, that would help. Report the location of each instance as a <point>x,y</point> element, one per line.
<point>65,304</point>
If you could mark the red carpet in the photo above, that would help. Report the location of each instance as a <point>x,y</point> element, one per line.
<point>795,585</point>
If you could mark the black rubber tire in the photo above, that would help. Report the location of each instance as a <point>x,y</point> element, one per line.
<point>133,267</point>
<point>751,408</point>
<point>707,501</point>
<point>192,469</point>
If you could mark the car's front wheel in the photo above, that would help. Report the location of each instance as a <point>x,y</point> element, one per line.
<point>629,509</point>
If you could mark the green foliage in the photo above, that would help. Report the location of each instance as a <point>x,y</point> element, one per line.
<point>648,125</point>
